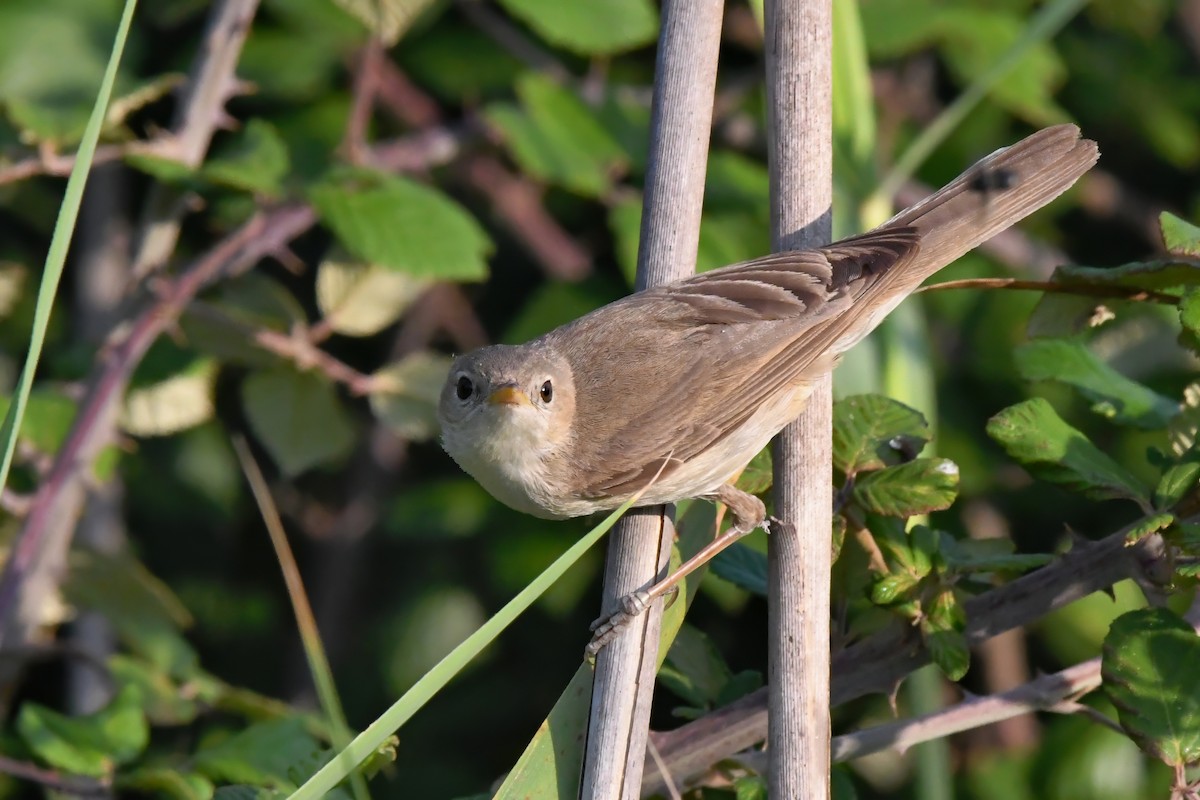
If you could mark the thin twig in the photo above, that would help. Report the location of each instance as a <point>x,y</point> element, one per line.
<point>314,650</point>
<point>296,347</point>
<point>1129,293</point>
<point>55,781</point>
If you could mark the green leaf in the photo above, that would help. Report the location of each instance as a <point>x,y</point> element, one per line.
<point>1163,275</point>
<point>730,237</point>
<point>892,588</point>
<point>1034,434</point>
<point>942,628</point>
<point>1177,480</point>
<point>695,669</point>
<point>166,782</point>
<point>1148,669</point>
<point>871,432</point>
<point>625,222</point>
<point>54,53</point>
<point>1189,317</point>
<point>460,64</point>
<point>553,304</point>
<point>48,418</point>
<point>918,487</point>
<point>298,417</point>
<point>181,401</point>
<point>948,650</point>
<point>402,225</point>
<point>986,555</point>
<point>1179,236</point>
<point>260,754</point>
<point>589,29</point>
<point>1114,396</point>
<point>1065,315</point>
<point>743,566</point>
<point>162,700</point>
<point>254,301</point>
<point>758,475</point>
<point>735,182</point>
<point>148,617</point>
<point>387,19</point>
<point>557,138</point>
<point>1151,524</point>
<point>256,161</point>
<point>750,787</point>
<point>92,745</point>
<point>404,395</point>
<point>361,299</point>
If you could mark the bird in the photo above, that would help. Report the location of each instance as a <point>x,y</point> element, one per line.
<point>670,391</point>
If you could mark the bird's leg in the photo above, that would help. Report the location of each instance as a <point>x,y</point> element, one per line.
<point>748,513</point>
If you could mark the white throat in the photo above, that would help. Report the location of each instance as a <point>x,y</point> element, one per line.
<point>504,448</point>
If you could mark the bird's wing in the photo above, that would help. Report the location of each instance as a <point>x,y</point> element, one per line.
<point>748,333</point>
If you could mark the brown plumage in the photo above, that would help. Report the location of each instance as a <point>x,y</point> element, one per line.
<point>689,380</point>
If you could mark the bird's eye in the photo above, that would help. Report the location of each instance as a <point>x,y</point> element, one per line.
<point>547,392</point>
<point>464,388</point>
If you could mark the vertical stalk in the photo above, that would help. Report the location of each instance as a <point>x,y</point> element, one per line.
<point>640,547</point>
<point>798,41</point>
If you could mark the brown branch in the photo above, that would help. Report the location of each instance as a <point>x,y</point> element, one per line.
<point>56,165</point>
<point>366,87</point>
<point>59,498</point>
<point>296,346</point>
<point>878,663</point>
<point>518,201</point>
<point>513,197</point>
<point>51,779</point>
<point>1129,293</point>
<point>512,39</point>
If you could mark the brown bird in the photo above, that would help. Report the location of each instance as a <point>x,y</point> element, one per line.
<point>674,389</point>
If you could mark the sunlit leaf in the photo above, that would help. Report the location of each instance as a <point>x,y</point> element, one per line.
<point>916,487</point>
<point>1177,480</point>
<point>1034,434</point>
<point>402,225</point>
<point>556,137</point>
<point>361,299</point>
<point>1179,236</point>
<point>606,28</point>
<point>177,403</point>
<point>871,432</point>
<point>405,394</point>
<point>387,19</point>
<point>1114,396</point>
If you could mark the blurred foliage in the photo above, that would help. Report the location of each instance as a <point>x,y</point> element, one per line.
<point>476,173</point>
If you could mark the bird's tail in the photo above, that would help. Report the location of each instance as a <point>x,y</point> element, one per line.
<point>995,193</point>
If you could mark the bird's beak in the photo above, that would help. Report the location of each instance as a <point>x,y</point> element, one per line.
<point>508,396</point>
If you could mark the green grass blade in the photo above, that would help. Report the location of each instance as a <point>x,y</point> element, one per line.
<point>444,671</point>
<point>310,636</point>
<point>60,242</point>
